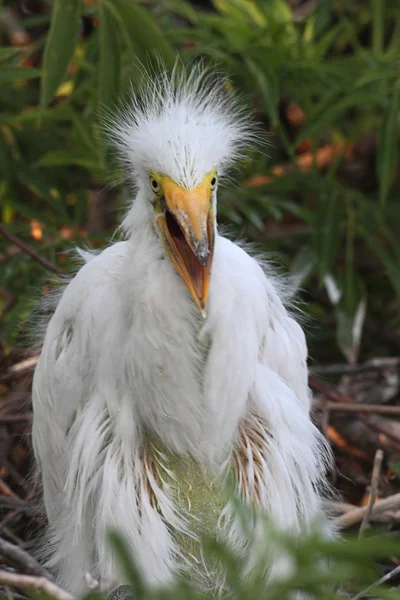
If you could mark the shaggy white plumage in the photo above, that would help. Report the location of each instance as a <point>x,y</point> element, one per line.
<point>142,406</point>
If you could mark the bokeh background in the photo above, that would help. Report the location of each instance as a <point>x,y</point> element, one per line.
<point>322,78</point>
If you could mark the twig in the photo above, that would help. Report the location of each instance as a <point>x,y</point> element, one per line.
<point>355,516</point>
<point>22,559</point>
<point>11,516</point>
<point>30,582</point>
<point>335,397</point>
<point>7,491</point>
<point>383,579</point>
<point>361,408</point>
<point>376,472</point>
<point>30,251</point>
<point>9,303</point>
<point>13,472</point>
<point>340,369</point>
<point>15,418</point>
<point>14,538</point>
<point>21,367</point>
<point>339,508</point>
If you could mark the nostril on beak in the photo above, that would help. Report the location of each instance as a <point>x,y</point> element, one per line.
<point>202,252</point>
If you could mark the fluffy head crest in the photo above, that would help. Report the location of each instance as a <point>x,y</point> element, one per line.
<point>182,125</point>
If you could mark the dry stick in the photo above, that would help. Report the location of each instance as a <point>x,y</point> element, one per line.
<point>355,516</point>
<point>383,579</point>
<point>339,369</point>
<point>32,253</point>
<point>376,472</point>
<point>22,559</point>
<point>19,368</point>
<point>30,582</point>
<point>339,508</point>
<point>361,408</point>
<point>15,418</point>
<point>319,386</point>
<point>7,491</point>
<point>11,516</point>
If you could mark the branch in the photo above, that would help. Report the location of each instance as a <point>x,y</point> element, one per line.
<point>30,582</point>
<point>30,251</point>
<point>383,579</point>
<point>339,369</point>
<point>22,559</point>
<point>18,368</point>
<point>360,408</point>
<point>355,516</point>
<point>317,385</point>
<point>376,472</point>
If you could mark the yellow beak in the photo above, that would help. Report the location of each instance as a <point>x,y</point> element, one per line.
<point>187,231</point>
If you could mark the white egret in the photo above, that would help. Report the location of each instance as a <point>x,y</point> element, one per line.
<point>170,362</point>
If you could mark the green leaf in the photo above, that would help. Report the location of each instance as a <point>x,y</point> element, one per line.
<point>387,260</point>
<point>331,108</point>
<point>378,19</point>
<point>10,51</point>
<point>127,564</point>
<point>60,45</point>
<point>326,236</point>
<point>34,180</point>
<point>18,73</point>
<point>61,158</point>
<point>302,267</point>
<point>351,313</point>
<point>141,31</point>
<point>241,10</point>
<point>109,63</point>
<point>395,467</point>
<point>269,90</point>
<point>387,147</point>
<point>320,48</point>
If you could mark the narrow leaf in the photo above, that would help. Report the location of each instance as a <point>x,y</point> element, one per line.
<point>10,51</point>
<point>327,233</point>
<point>351,314</point>
<point>302,267</point>
<point>392,267</point>
<point>141,31</point>
<point>329,110</point>
<point>387,147</point>
<point>15,73</point>
<point>378,15</point>
<point>268,88</point>
<point>61,158</point>
<point>60,44</point>
<point>127,564</point>
<point>109,64</point>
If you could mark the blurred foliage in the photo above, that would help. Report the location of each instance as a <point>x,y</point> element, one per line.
<point>321,569</point>
<point>322,197</point>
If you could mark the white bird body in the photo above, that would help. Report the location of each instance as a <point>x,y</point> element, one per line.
<point>132,380</point>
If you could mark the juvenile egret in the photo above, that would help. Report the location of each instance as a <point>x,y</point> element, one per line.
<point>171,362</point>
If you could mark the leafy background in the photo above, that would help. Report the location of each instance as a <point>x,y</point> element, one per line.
<point>322,78</point>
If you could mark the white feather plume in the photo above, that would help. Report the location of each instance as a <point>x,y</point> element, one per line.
<point>182,124</point>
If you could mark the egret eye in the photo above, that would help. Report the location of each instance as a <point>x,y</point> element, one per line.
<point>213,182</point>
<point>155,186</point>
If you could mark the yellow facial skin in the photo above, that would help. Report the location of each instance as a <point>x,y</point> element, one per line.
<point>186,222</point>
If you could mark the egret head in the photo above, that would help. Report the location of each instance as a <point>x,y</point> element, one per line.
<point>177,137</point>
